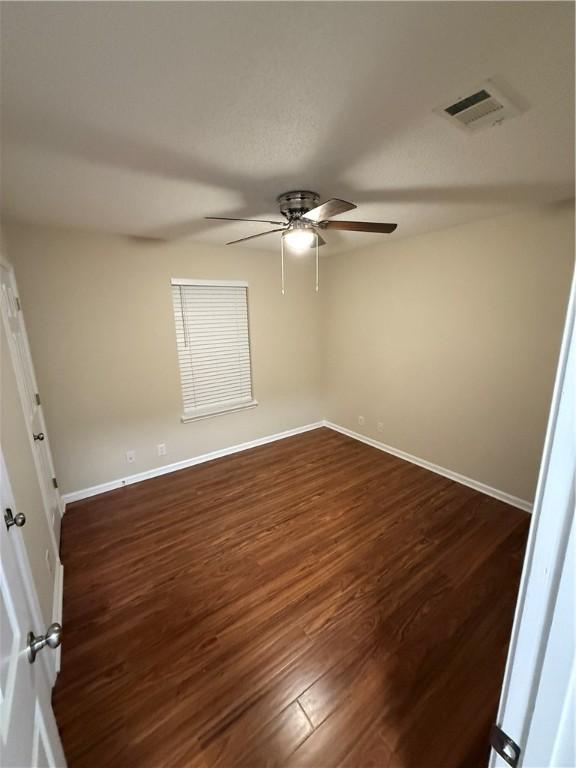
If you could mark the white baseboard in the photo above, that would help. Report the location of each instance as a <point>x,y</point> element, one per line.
<point>477,486</point>
<point>67,498</point>
<point>139,477</point>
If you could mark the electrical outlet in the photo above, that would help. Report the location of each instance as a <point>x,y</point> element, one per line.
<point>161,448</point>
<point>361,421</point>
<point>130,457</point>
<point>380,426</point>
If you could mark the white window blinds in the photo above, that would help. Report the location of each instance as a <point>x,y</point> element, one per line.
<point>213,346</point>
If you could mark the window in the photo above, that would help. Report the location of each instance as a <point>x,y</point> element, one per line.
<point>213,346</point>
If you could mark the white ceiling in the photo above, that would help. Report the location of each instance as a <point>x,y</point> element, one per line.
<point>142,118</point>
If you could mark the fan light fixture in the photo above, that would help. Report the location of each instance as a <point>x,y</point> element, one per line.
<point>303,218</point>
<point>300,238</point>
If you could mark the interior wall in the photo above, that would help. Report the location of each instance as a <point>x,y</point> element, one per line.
<point>99,316</point>
<point>450,340</point>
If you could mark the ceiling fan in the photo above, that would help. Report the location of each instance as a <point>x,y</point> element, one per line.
<point>304,218</point>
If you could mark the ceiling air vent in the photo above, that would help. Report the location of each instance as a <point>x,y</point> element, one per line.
<point>483,107</point>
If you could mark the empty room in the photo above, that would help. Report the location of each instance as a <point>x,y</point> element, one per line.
<point>287,391</point>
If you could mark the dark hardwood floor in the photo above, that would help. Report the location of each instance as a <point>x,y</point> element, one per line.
<point>312,602</point>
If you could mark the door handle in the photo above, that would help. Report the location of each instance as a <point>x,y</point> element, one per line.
<point>18,519</point>
<point>52,639</point>
<point>39,436</point>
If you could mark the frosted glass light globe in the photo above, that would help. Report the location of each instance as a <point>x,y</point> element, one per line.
<point>300,239</point>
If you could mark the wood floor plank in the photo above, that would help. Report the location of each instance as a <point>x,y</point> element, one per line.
<point>312,602</point>
<point>256,740</point>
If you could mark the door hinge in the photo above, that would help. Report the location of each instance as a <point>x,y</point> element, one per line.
<point>37,396</point>
<point>504,746</point>
<point>55,482</point>
<point>18,307</point>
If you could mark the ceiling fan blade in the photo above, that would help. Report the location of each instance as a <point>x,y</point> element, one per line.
<point>360,226</point>
<point>251,237</point>
<point>228,218</point>
<point>328,209</point>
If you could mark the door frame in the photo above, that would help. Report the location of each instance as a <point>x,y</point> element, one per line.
<point>22,390</point>
<point>546,551</point>
<point>52,667</point>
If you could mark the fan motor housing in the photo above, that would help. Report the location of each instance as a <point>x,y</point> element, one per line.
<point>293,205</point>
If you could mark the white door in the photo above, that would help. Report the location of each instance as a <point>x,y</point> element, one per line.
<point>537,704</point>
<point>28,733</point>
<point>31,401</point>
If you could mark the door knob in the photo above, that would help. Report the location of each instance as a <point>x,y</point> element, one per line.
<point>52,638</point>
<point>39,436</point>
<point>18,519</point>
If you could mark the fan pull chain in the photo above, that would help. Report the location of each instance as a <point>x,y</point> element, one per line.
<point>317,280</point>
<point>282,262</point>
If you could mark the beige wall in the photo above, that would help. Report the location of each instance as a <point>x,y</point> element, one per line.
<point>451,340</point>
<point>24,481</point>
<point>99,316</point>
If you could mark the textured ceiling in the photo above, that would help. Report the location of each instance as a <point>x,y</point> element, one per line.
<point>141,118</point>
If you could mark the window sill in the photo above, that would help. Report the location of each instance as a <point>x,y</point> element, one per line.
<point>216,411</point>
